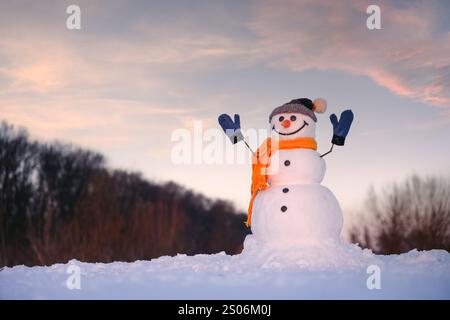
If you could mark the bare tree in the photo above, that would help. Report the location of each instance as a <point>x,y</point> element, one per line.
<point>412,215</point>
<point>17,165</point>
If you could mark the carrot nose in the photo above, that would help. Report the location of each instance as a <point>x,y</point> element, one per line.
<point>286,123</point>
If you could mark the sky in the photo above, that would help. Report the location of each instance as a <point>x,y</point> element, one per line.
<point>137,71</point>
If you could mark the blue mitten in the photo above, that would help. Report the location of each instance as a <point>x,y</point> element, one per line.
<point>341,127</point>
<point>231,129</point>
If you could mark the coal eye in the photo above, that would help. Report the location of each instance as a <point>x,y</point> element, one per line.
<point>293,118</point>
<point>281,118</point>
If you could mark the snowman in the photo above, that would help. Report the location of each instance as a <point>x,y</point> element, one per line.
<point>288,205</point>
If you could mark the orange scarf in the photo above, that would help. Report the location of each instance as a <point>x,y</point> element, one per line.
<point>261,162</point>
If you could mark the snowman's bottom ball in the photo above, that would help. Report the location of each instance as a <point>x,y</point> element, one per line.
<point>298,213</point>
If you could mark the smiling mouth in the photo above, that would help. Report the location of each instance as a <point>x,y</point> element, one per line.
<point>288,134</point>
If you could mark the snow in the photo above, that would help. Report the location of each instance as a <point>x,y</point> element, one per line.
<point>325,271</point>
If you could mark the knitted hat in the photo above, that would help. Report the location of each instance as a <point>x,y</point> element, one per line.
<point>304,106</point>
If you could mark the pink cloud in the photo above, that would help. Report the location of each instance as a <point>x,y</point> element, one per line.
<point>408,56</point>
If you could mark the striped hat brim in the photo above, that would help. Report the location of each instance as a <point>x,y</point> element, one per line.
<point>293,108</point>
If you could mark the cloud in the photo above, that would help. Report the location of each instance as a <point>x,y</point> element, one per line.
<point>99,90</point>
<point>54,80</point>
<point>95,122</point>
<point>181,50</point>
<point>410,56</point>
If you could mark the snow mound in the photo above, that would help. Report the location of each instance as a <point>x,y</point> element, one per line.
<point>323,271</point>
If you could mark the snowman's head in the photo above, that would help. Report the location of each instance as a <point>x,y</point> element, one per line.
<point>293,125</point>
<point>296,118</point>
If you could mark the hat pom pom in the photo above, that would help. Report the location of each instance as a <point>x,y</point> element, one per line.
<point>320,105</point>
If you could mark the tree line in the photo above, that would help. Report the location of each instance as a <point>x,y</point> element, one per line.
<point>413,214</point>
<point>59,202</point>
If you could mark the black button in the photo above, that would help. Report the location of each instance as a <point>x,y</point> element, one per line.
<point>283,208</point>
<point>285,190</point>
<point>287,163</point>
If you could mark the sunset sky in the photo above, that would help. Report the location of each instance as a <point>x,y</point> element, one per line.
<point>138,70</point>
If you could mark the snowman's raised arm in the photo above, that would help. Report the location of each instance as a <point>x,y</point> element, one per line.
<point>341,128</point>
<point>233,129</point>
